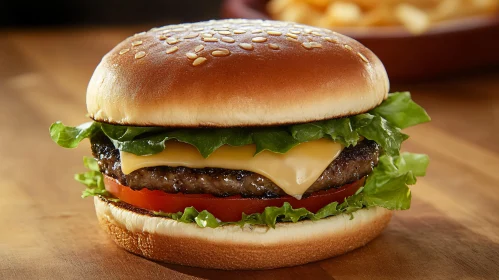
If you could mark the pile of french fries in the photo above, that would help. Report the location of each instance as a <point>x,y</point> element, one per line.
<point>416,15</point>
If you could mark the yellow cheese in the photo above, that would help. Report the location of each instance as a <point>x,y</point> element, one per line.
<point>294,171</point>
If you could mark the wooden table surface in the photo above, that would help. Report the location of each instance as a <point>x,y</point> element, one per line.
<point>49,232</point>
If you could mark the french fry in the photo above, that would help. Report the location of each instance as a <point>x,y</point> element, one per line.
<point>414,19</point>
<point>343,14</point>
<point>300,12</point>
<point>381,16</point>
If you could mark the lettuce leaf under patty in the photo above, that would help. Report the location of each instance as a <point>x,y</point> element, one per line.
<point>386,186</point>
<point>381,125</point>
<point>93,179</point>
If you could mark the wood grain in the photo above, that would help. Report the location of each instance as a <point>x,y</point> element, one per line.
<point>49,232</point>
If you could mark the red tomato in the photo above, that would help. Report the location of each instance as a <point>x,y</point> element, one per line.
<point>227,209</point>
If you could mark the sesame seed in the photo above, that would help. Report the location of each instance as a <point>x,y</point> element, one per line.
<point>254,31</point>
<point>292,39</point>
<point>348,47</point>
<point>363,57</point>
<point>162,37</point>
<point>259,39</point>
<point>208,39</point>
<point>220,52</point>
<point>228,39</point>
<point>274,46</point>
<point>221,29</point>
<point>191,55</point>
<point>274,32</point>
<point>315,45</point>
<point>139,34</point>
<point>198,29</point>
<point>172,41</point>
<point>136,43</point>
<point>199,61</point>
<point>292,35</point>
<point>165,30</point>
<point>307,45</point>
<point>311,45</point>
<point>307,30</point>
<point>191,35</point>
<point>294,31</point>
<point>123,51</point>
<point>179,29</point>
<point>140,54</point>
<point>246,46</point>
<point>172,50</point>
<point>207,35</point>
<point>266,24</point>
<point>239,31</point>
<point>332,40</point>
<point>199,48</point>
<point>316,33</point>
<point>223,32</point>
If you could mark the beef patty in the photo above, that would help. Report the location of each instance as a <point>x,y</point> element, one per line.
<point>352,164</point>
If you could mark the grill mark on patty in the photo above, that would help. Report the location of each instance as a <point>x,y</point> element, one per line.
<point>352,164</point>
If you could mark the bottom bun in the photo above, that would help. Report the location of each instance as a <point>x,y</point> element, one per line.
<point>235,247</point>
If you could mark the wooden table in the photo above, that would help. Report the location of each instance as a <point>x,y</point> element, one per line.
<point>49,232</point>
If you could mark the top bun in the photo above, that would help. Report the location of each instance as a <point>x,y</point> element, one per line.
<point>235,72</point>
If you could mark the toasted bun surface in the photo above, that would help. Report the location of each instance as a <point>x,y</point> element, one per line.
<point>233,247</point>
<point>235,73</point>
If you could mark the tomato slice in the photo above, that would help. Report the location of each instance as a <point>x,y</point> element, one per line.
<point>227,209</point>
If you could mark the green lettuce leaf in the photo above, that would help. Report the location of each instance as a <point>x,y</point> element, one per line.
<point>401,111</point>
<point>70,137</point>
<point>380,131</point>
<point>208,140</point>
<point>92,179</point>
<point>126,133</point>
<point>275,140</point>
<point>307,131</point>
<point>341,130</point>
<point>387,185</point>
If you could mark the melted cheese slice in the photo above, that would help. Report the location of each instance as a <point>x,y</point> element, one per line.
<point>294,171</point>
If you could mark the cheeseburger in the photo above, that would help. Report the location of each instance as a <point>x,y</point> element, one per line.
<point>244,144</point>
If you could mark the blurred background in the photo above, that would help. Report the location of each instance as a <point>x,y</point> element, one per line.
<point>104,12</point>
<point>416,39</point>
